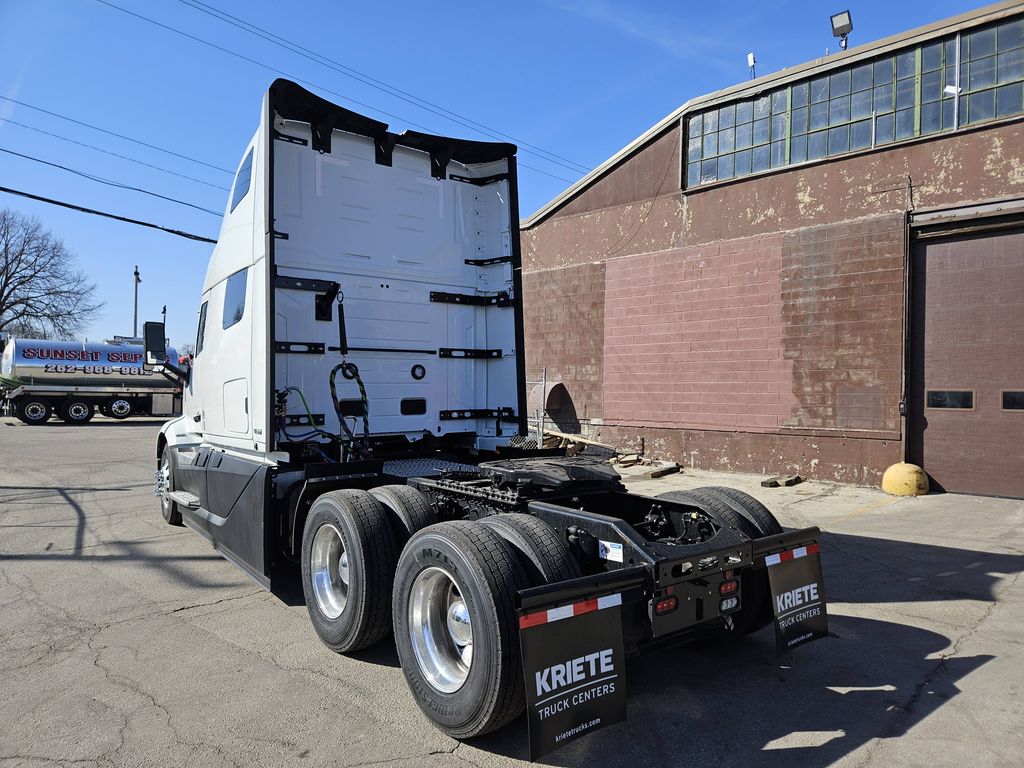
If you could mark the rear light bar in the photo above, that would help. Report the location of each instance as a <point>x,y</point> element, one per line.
<point>728,587</point>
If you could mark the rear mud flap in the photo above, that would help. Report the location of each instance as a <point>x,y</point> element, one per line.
<point>570,636</point>
<point>797,589</point>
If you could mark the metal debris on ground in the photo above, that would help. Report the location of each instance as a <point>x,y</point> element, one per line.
<point>576,444</point>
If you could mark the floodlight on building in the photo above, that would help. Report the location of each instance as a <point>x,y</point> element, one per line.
<point>752,63</point>
<point>842,25</point>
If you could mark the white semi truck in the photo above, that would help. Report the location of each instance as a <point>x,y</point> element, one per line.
<point>351,417</point>
<point>74,379</point>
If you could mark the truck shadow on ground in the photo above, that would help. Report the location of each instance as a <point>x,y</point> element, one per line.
<point>104,422</point>
<point>98,421</point>
<point>739,703</point>
<point>109,551</point>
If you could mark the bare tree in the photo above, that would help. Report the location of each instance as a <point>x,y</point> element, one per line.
<point>41,294</point>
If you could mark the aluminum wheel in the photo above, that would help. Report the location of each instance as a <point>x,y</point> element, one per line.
<point>440,629</point>
<point>163,483</point>
<point>77,411</point>
<point>120,408</point>
<point>35,411</point>
<point>329,573</point>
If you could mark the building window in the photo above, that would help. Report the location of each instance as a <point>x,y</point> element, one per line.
<point>961,399</point>
<point>992,72</point>
<point>1013,400</point>
<point>234,298</point>
<point>887,99</point>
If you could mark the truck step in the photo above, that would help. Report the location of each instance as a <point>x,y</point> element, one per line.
<point>184,498</point>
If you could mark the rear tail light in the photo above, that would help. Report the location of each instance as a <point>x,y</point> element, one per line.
<point>666,605</point>
<point>728,604</point>
<point>728,587</point>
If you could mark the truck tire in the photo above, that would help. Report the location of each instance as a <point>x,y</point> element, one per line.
<point>754,582</point>
<point>456,627</point>
<point>77,411</point>
<point>749,507</point>
<point>766,524</point>
<point>118,407</point>
<point>543,555</point>
<point>348,567</point>
<point>410,510</point>
<point>33,411</point>
<point>168,509</point>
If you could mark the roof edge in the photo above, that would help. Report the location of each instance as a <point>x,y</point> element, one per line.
<point>978,16</point>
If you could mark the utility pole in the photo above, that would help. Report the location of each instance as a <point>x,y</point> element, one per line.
<point>135,316</point>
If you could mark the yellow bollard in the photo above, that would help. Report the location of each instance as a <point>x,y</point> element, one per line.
<point>905,480</point>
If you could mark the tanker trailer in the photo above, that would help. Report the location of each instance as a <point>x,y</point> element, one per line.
<point>76,379</point>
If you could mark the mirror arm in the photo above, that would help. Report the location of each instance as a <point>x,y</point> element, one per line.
<point>173,373</point>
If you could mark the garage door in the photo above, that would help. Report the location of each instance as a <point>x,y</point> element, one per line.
<point>966,382</point>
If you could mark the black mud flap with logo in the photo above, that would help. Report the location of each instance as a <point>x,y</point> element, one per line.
<point>798,596</point>
<point>573,657</point>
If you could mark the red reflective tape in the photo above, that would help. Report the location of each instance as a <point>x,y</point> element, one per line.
<point>812,548</point>
<point>533,619</point>
<point>787,555</point>
<point>537,618</point>
<point>587,606</point>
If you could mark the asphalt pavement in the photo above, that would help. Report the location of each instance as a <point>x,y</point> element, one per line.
<point>127,642</point>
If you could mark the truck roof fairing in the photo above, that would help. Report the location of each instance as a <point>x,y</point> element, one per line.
<point>293,102</point>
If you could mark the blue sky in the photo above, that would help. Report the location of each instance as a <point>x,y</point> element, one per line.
<point>576,78</point>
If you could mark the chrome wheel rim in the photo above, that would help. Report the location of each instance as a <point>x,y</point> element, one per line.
<point>78,411</point>
<point>120,407</point>
<point>164,482</point>
<point>440,629</point>
<point>35,411</point>
<point>328,565</point>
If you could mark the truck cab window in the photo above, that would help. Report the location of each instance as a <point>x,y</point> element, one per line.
<point>242,180</point>
<point>234,298</point>
<point>202,328</point>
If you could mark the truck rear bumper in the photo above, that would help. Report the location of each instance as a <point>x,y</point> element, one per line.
<point>696,593</point>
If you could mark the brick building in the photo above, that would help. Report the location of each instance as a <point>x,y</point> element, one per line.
<point>818,271</point>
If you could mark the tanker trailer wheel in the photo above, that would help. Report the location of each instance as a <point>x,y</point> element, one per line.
<point>165,483</point>
<point>117,408</point>
<point>543,555</point>
<point>33,411</point>
<point>410,510</point>
<point>754,592</point>
<point>348,567</point>
<point>456,628</point>
<point>77,411</point>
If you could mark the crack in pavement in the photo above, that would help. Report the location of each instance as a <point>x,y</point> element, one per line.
<point>217,602</point>
<point>898,723</point>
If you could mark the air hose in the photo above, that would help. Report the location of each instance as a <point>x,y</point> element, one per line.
<point>350,371</point>
<point>305,437</point>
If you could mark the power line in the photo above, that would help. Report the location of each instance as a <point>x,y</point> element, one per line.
<point>112,154</point>
<point>291,76</point>
<point>118,135</point>
<point>94,212</point>
<point>379,85</point>
<point>110,182</point>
